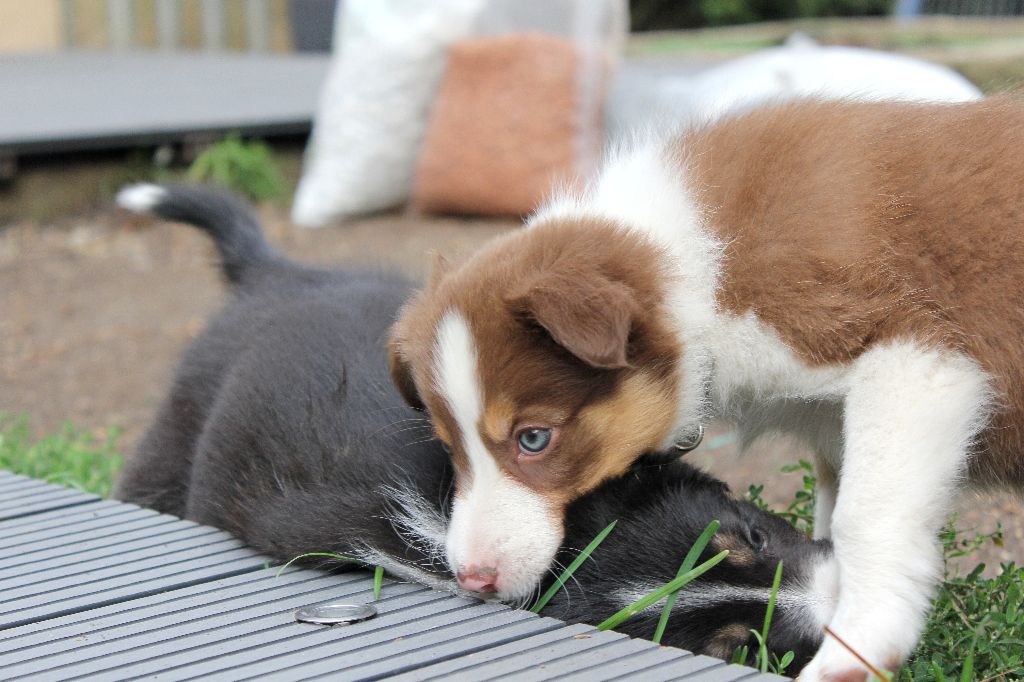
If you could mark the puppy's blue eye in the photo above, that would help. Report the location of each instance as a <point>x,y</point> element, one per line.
<point>534,441</point>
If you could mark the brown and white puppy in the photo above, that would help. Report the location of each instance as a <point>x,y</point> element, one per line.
<point>850,273</point>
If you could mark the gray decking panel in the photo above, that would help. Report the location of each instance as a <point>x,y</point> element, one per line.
<point>110,622</point>
<point>270,637</point>
<point>480,661</point>
<point>565,645</point>
<point>74,559</point>
<point>188,637</point>
<point>36,504</point>
<point>458,642</point>
<point>94,589</point>
<point>28,496</point>
<point>45,584</point>
<point>113,534</point>
<point>573,663</point>
<point>371,639</point>
<point>75,100</point>
<point>696,668</point>
<point>285,654</point>
<point>10,488</point>
<point>80,596</point>
<point>47,528</point>
<point>613,670</point>
<point>50,517</point>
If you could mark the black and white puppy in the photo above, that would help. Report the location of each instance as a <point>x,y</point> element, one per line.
<point>283,427</point>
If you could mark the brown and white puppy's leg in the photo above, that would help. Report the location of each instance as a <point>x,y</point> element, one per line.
<point>911,415</point>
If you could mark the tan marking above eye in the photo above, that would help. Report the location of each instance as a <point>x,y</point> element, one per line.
<point>498,419</point>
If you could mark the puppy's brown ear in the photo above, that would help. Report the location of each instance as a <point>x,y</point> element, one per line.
<point>401,373</point>
<point>584,312</point>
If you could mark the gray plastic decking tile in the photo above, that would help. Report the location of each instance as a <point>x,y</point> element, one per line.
<point>65,522</point>
<point>572,663</point>
<point>82,593</point>
<point>187,637</point>
<point>567,644</point>
<point>43,502</point>
<point>492,661</point>
<point>11,487</point>
<point>47,518</point>
<point>118,534</point>
<point>101,590</point>
<point>611,670</point>
<point>455,642</point>
<point>365,641</point>
<point>139,615</point>
<point>691,668</point>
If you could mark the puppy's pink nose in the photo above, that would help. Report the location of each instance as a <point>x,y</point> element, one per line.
<point>479,579</point>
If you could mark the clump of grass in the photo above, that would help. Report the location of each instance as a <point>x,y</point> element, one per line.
<point>976,629</point>
<point>245,167</point>
<point>71,457</point>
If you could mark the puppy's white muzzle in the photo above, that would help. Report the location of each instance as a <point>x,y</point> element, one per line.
<point>502,538</point>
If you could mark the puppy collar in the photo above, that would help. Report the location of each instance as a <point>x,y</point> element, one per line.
<point>689,439</point>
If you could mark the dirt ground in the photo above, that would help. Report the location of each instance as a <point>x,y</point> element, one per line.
<point>97,310</point>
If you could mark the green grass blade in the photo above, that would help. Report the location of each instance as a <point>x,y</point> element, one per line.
<point>576,563</point>
<point>378,581</point>
<point>662,592</point>
<point>968,672</point>
<point>330,555</point>
<point>688,562</point>
<point>769,612</point>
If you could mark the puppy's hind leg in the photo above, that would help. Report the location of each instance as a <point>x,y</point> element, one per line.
<point>911,415</point>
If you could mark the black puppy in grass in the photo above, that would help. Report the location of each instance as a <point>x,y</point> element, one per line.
<point>283,427</point>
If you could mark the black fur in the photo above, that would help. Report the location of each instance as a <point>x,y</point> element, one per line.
<point>282,427</point>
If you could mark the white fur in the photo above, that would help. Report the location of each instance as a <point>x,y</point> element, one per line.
<point>415,520</point>
<point>910,418</point>
<point>141,198</point>
<point>897,422</point>
<point>491,511</point>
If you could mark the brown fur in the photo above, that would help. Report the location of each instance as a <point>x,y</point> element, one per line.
<point>849,224</point>
<point>544,360</point>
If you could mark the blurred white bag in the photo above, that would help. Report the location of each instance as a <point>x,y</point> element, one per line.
<point>388,59</point>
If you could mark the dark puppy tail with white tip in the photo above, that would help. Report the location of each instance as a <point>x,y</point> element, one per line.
<point>227,219</point>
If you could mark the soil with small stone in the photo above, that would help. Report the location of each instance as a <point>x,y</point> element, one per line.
<point>97,310</point>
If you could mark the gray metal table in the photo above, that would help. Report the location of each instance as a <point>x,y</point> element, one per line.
<point>93,588</point>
